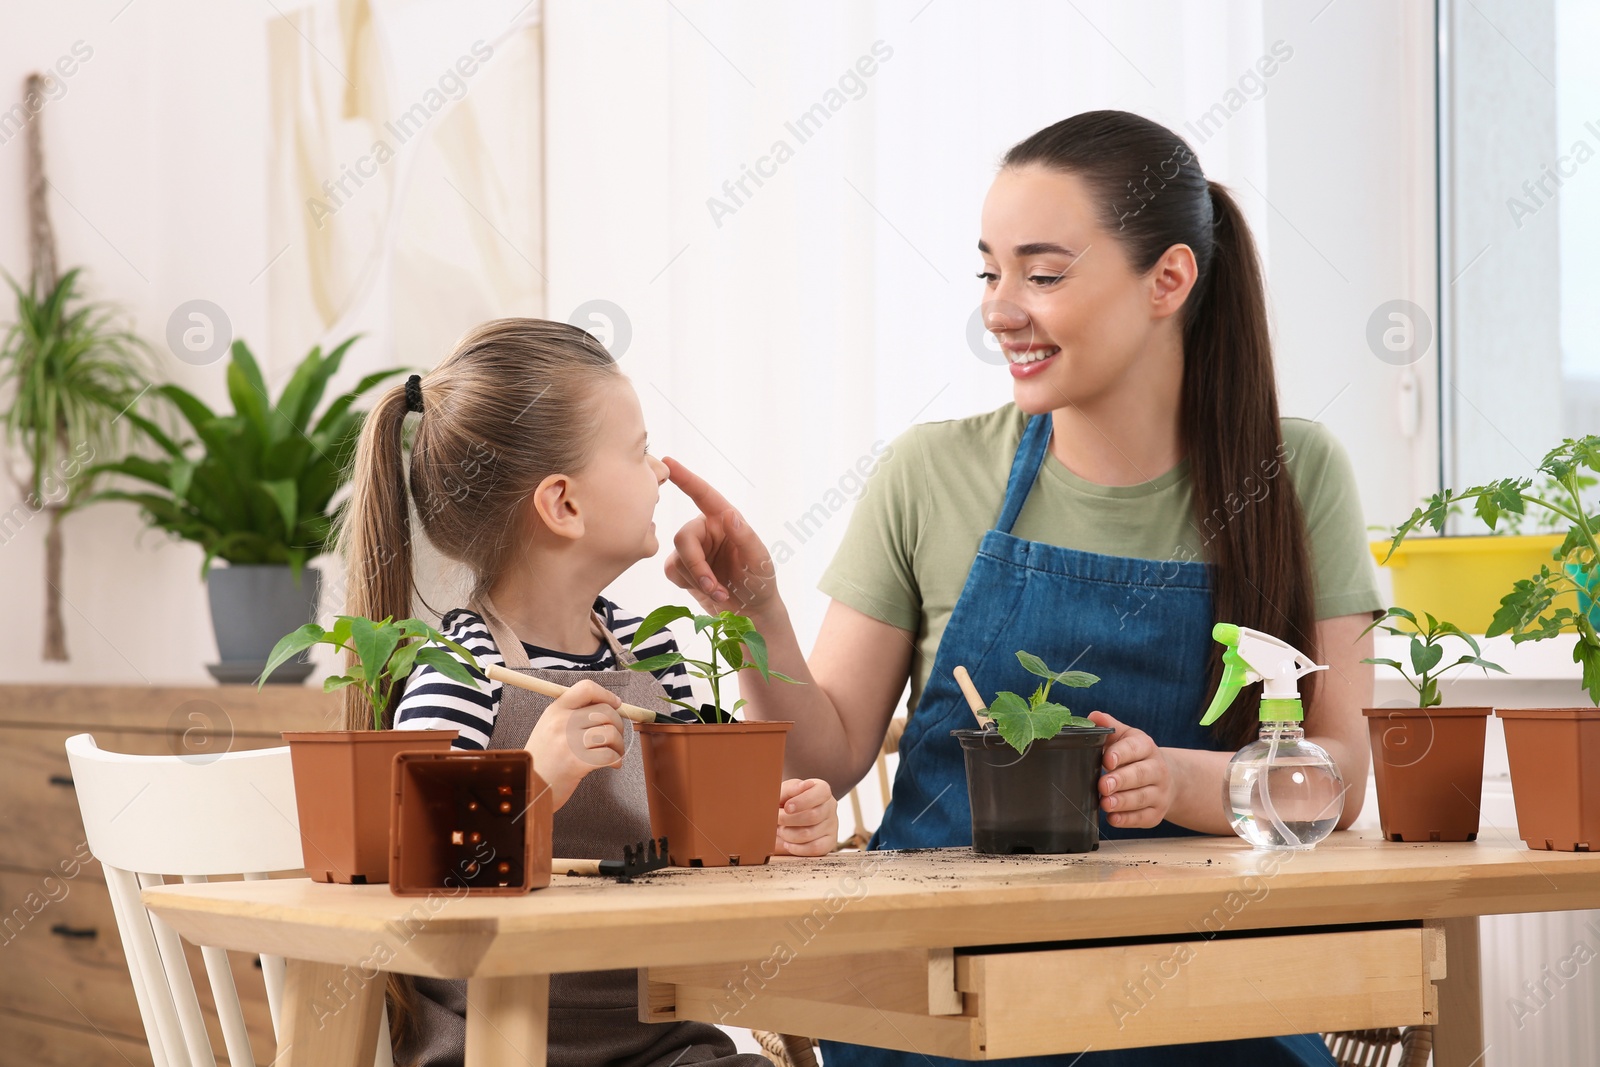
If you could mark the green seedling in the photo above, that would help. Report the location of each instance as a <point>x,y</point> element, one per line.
<point>384,654</point>
<point>1427,652</point>
<point>1021,721</point>
<point>735,646</point>
<point>1528,612</point>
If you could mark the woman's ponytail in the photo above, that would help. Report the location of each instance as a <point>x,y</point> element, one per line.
<point>1248,514</point>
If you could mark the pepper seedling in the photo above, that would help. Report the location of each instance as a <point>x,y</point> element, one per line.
<point>1021,721</point>
<point>384,652</point>
<point>1427,650</point>
<point>1529,612</point>
<point>735,646</point>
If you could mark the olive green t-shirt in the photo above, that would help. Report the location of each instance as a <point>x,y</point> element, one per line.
<point>915,531</point>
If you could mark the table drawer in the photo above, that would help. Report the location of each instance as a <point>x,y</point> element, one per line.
<point>994,1004</point>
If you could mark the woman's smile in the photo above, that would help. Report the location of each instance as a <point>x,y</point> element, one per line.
<point>1027,360</point>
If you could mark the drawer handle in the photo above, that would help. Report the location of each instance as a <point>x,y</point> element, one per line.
<point>63,780</point>
<point>80,933</point>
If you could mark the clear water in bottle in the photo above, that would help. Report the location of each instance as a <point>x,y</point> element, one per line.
<point>1283,791</point>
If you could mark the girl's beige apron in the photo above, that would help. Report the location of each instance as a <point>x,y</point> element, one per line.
<point>594,1016</point>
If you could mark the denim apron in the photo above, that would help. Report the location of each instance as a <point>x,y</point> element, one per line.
<point>1143,626</point>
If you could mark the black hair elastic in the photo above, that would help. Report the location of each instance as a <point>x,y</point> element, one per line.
<point>414,393</point>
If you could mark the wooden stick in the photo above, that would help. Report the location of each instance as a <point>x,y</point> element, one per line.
<point>554,689</point>
<point>974,701</point>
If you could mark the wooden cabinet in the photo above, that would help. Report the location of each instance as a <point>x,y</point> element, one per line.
<point>65,994</point>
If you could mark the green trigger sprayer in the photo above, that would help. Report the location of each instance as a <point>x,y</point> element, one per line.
<point>1282,791</point>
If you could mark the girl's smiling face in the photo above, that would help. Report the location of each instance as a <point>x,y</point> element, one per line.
<point>1071,315</point>
<point>619,486</point>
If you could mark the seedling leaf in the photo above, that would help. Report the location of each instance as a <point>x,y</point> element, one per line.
<point>657,621</point>
<point>1021,723</point>
<point>336,682</point>
<point>289,646</point>
<point>1034,665</point>
<point>446,664</point>
<point>656,663</point>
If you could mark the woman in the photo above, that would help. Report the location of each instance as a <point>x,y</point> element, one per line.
<point>1141,487</point>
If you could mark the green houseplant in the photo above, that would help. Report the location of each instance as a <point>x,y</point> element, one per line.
<point>1033,780</point>
<point>1462,576</point>
<point>1428,760</point>
<point>72,373</point>
<point>713,785</point>
<point>342,777</point>
<point>1554,752</point>
<point>255,489</point>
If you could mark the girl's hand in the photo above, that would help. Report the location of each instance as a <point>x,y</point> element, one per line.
<point>808,818</point>
<point>717,557</point>
<point>1137,788</point>
<point>580,732</point>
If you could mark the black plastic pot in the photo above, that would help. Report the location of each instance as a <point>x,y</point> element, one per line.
<point>1045,800</point>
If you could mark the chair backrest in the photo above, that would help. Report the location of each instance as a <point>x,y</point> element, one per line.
<point>147,817</point>
<point>187,815</point>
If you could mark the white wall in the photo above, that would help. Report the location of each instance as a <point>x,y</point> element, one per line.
<point>860,247</point>
<point>158,161</point>
<point>828,312</point>
<point>1350,135</point>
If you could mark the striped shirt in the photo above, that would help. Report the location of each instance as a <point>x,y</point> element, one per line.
<point>433,702</point>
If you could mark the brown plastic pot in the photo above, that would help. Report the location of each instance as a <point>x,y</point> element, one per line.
<point>342,790</point>
<point>1428,764</point>
<point>468,822</point>
<point>713,789</point>
<point>1555,776</point>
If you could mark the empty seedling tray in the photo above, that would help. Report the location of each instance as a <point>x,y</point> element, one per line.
<point>473,821</point>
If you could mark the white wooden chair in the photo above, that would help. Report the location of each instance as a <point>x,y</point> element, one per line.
<point>148,817</point>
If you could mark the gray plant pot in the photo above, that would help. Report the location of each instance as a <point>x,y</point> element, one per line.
<point>252,606</point>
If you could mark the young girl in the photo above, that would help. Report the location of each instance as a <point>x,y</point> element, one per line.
<point>1140,488</point>
<point>529,465</point>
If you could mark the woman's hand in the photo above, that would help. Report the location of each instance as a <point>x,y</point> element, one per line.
<point>580,732</point>
<point>717,557</point>
<point>808,818</point>
<point>1137,788</point>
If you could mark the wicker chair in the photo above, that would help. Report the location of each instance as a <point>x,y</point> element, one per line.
<point>1373,1048</point>
<point>1352,1048</point>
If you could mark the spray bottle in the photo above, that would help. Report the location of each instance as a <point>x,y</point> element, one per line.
<point>1282,791</point>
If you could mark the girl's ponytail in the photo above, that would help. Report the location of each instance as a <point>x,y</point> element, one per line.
<point>375,536</point>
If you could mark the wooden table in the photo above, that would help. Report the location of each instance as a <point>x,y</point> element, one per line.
<point>941,952</point>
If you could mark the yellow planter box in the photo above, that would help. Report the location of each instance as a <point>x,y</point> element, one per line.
<point>1461,579</point>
